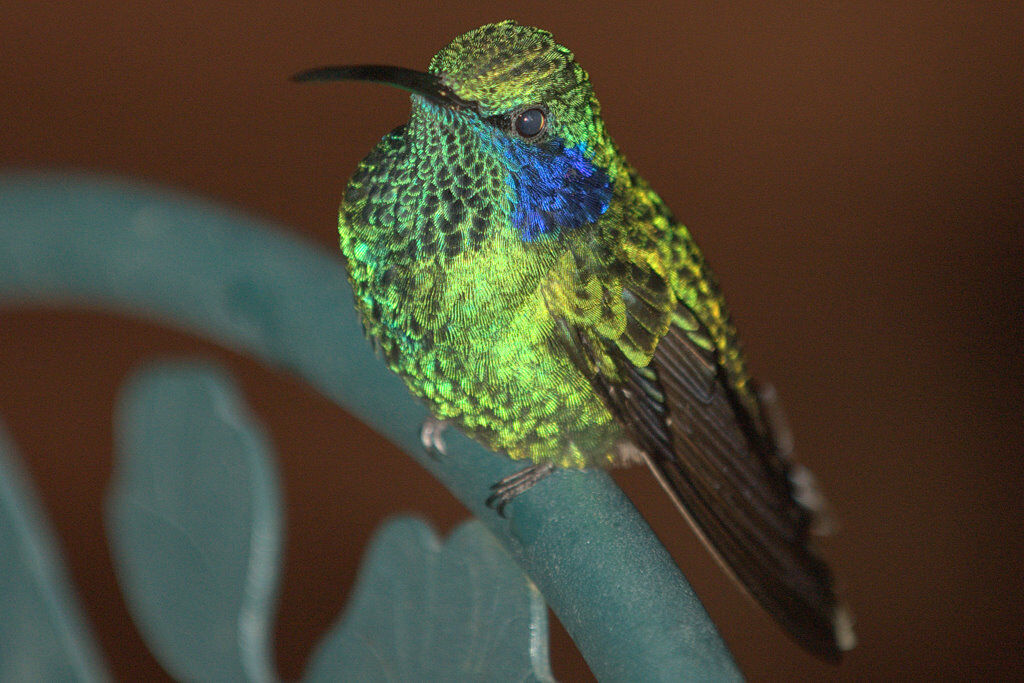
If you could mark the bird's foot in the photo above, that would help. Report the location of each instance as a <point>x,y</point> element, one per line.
<point>511,486</point>
<point>432,437</point>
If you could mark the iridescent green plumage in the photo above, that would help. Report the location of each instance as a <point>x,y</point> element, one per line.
<point>462,307</point>
<point>535,291</point>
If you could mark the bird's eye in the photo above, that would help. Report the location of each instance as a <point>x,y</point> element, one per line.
<point>530,123</point>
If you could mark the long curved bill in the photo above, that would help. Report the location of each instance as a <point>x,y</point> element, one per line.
<point>424,84</point>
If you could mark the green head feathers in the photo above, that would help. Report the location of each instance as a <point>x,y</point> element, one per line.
<point>506,68</point>
<point>504,117</point>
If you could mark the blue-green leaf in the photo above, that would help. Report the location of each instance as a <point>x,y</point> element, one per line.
<point>194,522</point>
<point>426,611</point>
<point>42,634</point>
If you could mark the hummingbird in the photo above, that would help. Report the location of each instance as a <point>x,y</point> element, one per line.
<point>531,288</point>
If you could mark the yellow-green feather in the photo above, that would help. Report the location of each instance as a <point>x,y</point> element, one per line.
<point>468,312</point>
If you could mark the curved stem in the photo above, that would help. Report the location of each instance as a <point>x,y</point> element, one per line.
<point>74,241</point>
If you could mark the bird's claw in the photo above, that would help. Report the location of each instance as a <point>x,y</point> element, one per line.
<point>432,437</point>
<point>509,487</point>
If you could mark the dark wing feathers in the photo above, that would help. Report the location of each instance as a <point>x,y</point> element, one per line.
<point>718,462</point>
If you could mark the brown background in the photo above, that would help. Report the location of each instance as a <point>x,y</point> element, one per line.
<point>854,175</point>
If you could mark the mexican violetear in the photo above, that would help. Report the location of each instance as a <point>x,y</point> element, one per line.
<point>532,289</point>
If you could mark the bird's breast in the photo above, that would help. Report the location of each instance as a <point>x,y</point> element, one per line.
<point>474,338</point>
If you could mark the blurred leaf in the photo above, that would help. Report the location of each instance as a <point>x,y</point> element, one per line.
<point>422,610</point>
<point>42,634</point>
<point>194,522</point>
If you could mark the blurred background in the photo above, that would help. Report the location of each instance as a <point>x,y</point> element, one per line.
<point>853,173</point>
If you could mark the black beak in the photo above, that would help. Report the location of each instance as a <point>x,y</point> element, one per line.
<point>425,84</point>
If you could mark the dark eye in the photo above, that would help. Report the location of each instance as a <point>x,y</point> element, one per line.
<point>530,123</point>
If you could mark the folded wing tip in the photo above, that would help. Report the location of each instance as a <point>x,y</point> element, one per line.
<point>842,623</point>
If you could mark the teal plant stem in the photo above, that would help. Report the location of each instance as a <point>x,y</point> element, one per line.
<point>71,241</point>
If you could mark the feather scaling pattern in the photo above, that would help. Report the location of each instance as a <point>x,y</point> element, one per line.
<point>533,289</point>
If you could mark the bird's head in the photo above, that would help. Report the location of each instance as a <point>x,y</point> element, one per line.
<point>506,109</point>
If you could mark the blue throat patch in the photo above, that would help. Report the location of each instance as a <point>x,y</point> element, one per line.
<point>556,188</point>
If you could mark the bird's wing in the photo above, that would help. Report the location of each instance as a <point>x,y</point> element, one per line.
<point>682,396</point>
